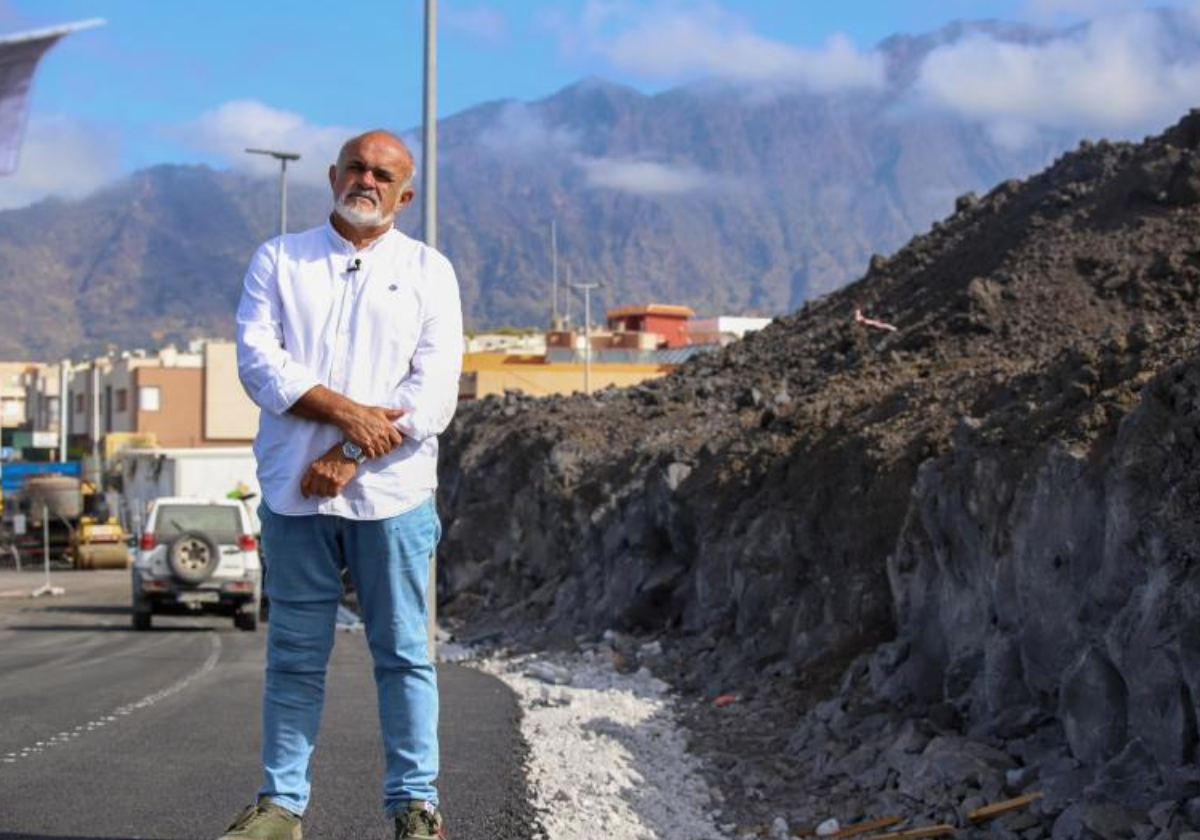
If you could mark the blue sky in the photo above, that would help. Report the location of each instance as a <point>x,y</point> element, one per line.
<point>175,82</point>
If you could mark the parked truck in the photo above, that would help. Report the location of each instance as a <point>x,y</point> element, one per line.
<point>216,473</point>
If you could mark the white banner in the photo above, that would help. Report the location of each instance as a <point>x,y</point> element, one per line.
<point>19,57</point>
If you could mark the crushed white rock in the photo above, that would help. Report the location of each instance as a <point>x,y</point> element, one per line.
<point>607,754</point>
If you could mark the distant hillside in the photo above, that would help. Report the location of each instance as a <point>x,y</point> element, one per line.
<point>698,195</point>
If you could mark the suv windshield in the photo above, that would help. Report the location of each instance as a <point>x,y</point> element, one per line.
<point>221,522</point>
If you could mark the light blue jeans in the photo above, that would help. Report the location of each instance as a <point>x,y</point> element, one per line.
<point>388,560</point>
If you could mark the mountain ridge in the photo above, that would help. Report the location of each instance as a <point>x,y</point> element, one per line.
<point>730,203</point>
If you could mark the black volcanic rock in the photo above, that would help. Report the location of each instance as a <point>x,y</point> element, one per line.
<point>989,512</point>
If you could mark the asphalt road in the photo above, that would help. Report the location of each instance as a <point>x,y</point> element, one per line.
<point>108,733</point>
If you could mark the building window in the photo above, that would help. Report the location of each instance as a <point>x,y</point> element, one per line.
<point>149,398</point>
<point>79,403</point>
<point>122,400</point>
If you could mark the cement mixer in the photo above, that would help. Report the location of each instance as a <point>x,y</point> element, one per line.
<point>58,496</point>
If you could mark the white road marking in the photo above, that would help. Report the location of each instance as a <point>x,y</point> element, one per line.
<point>67,736</point>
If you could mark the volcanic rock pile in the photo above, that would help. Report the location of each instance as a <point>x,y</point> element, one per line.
<point>989,515</point>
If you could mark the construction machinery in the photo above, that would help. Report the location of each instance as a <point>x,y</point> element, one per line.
<point>99,544</point>
<point>71,518</point>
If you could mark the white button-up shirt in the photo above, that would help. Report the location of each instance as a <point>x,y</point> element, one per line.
<point>388,333</point>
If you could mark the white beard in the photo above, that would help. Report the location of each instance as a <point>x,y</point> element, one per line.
<point>353,215</point>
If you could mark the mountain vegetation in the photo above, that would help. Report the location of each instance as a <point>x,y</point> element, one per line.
<point>701,195</point>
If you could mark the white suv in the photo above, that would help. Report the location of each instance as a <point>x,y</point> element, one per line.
<point>197,555</point>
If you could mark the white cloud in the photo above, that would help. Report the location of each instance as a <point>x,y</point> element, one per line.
<point>668,40</point>
<point>646,177</point>
<point>228,130</point>
<point>61,157</point>
<point>520,130</point>
<point>481,23</point>
<point>1110,77</point>
<point>1048,10</point>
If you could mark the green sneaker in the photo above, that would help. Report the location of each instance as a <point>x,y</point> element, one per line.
<point>264,821</point>
<point>422,821</point>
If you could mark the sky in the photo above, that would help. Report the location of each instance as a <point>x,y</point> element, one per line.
<point>166,82</point>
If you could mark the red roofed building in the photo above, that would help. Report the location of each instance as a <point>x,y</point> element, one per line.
<point>668,322</point>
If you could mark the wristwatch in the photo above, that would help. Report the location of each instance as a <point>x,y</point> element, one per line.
<point>353,452</point>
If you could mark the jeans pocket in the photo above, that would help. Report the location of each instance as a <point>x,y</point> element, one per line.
<point>413,535</point>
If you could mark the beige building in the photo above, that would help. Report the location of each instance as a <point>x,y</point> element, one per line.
<point>177,399</point>
<point>40,385</point>
<point>495,373</point>
<point>12,393</point>
<point>533,342</point>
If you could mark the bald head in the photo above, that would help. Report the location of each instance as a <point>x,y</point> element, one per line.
<point>382,139</point>
<point>371,181</point>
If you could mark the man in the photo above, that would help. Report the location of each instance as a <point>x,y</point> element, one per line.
<point>350,341</point>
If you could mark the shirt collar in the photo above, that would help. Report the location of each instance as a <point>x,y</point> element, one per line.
<point>345,246</point>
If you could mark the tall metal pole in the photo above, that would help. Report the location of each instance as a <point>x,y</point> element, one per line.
<point>587,334</point>
<point>429,222</point>
<point>94,383</point>
<point>282,196</point>
<point>570,284</point>
<point>283,158</point>
<point>587,339</point>
<point>64,416</point>
<point>554,274</point>
<point>429,142</point>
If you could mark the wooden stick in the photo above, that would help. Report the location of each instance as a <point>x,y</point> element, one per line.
<point>864,828</point>
<point>915,833</point>
<point>988,812</point>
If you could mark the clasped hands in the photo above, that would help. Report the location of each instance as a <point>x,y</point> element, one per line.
<point>372,428</point>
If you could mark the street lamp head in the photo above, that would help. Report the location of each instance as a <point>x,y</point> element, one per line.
<point>275,153</point>
<point>283,158</point>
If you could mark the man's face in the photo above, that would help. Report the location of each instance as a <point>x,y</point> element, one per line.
<point>371,181</point>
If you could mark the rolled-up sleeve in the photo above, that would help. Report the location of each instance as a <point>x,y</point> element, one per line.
<point>429,393</point>
<point>271,377</point>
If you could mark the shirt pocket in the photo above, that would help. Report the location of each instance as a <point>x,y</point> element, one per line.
<point>398,325</point>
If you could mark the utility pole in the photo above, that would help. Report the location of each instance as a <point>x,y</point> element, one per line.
<point>429,222</point>
<point>429,141</point>
<point>64,416</point>
<point>283,158</point>
<point>567,319</point>
<point>94,471</point>
<point>587,334</point>
<point>554,274</point>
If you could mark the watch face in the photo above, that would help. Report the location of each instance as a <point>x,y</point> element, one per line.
<point>352,451</point>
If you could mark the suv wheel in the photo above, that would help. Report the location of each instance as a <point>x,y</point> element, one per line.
<point>141,612</point>
<point>246,618</point>
<point>193,557</point>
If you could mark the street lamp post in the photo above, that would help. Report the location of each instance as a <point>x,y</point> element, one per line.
<point>283,158</point>
<point>429,223</point>
<point>429,139</point>
<point>586,288</point>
